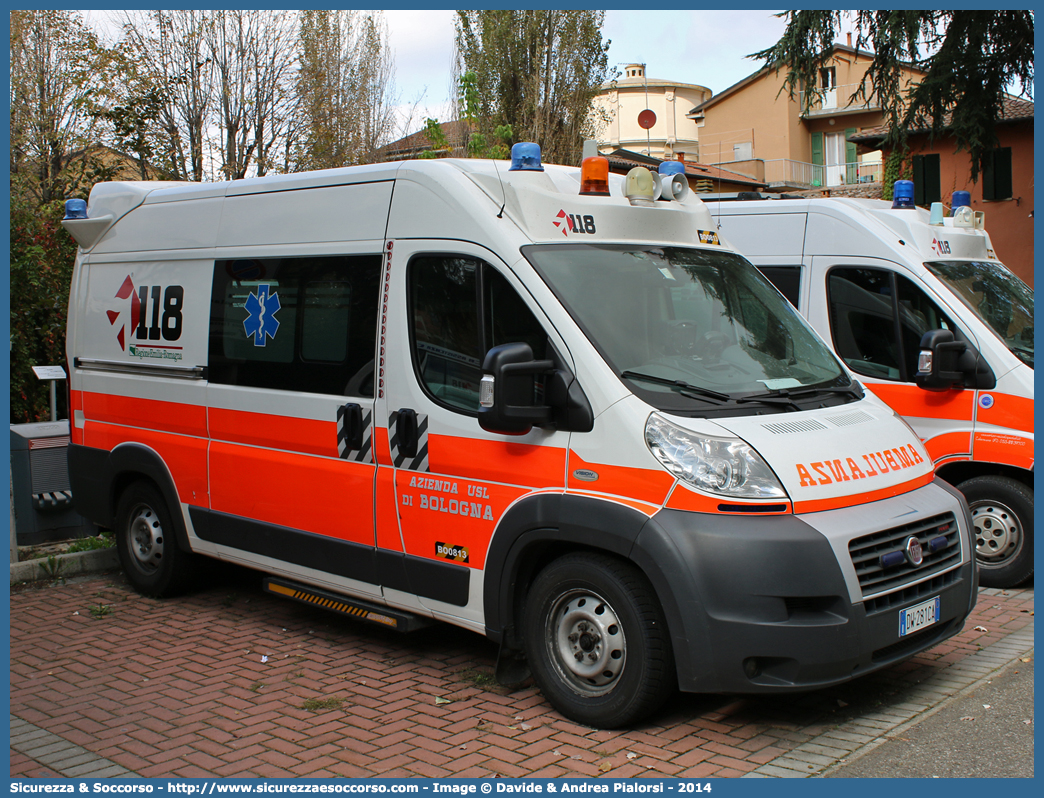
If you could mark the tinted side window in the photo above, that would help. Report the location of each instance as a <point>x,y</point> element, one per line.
<point>459,309</point>
<point>296,324</point>
<point>787,280</point>
<point>864,304</point>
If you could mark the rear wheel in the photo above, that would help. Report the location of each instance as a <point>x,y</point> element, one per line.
<point>597,640</point>
<point>1002,517</point>
<point>147,544</point>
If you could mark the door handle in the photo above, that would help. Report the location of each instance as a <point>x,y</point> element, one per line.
<point>353,425</point>
<point>406,432</point>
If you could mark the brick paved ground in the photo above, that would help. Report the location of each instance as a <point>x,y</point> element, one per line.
<point>110,682</point>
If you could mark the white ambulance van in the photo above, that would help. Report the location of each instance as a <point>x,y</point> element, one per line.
<point>874,278</point>
<point>521,399</point>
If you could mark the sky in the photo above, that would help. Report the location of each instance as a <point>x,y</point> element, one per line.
<point>708,48</point>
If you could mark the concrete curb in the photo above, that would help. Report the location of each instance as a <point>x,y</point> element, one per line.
<point>75,564</point>
<point>849,741</point>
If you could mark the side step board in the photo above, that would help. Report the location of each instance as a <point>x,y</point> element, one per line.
<point>399,620</point>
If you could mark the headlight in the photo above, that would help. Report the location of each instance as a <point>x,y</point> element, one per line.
<point>726,466</point>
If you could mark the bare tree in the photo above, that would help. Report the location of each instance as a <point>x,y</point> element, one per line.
<point>56,64</point>
<point>172,53</point>
<point>253,54</point>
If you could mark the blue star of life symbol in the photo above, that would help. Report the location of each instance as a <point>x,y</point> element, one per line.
<point>261,323</point>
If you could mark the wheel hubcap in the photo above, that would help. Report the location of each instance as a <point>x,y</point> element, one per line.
<point>998,533</point>
<point>145,538</point>
<point>586,642</point>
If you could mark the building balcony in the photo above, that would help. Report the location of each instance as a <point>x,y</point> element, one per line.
<point>784,173</point>
<point>836,102</point>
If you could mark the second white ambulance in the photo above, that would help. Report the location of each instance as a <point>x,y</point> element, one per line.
<point>874,278</point>
<point>525,400</point>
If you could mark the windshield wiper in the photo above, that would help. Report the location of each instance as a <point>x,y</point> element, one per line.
<point>786,397</point>
<point>684,388</point>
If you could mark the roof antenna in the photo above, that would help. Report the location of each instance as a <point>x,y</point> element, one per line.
<point>503,191</point>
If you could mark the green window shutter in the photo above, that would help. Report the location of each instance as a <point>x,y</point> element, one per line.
<point>817,148</point>
<point>927,181</point>
<point>918,179</point>
<point>850,157</point>
<point>817,159</point>
<point>996,174</point>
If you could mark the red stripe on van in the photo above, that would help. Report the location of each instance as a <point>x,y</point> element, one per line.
<point>509,462</point>
<point>684,498</point>
<point>1015,450</point>
<point>1013,412</point>
<point>185,456</point>
<point>274,432</point>
<point>913,402</point>
<point>326,496</point>
<point>645,484</point>
<point>177,417</point>
<point>818,505</point>
<point>949,445</point>
<point>75,403</point>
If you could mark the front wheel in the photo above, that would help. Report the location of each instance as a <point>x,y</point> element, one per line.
<point>1002,517</point>
<point>147,545</point>
<point>597,640</point>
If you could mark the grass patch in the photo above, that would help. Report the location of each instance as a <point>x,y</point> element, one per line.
<point>479,678</point>
<point>102,541</point>
<point>100,610</point>
<point>319,704</point>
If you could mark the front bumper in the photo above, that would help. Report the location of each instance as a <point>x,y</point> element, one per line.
<point>774,603</point>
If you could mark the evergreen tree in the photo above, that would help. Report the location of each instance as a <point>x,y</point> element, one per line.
<point>970,58</point>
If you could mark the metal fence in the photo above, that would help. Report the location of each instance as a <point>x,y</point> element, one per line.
<point>784,171</point>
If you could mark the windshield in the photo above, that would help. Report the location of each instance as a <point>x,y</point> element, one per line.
<point>997,297</point>
<point>685,325</point>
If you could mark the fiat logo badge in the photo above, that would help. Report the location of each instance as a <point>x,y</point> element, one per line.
<point>914,553</point>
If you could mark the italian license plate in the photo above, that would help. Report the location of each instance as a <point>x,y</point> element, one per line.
<point>913,619</point>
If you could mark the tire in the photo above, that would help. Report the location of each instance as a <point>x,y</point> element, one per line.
<point>604,611</point>
<point>147,543</point>
<point>1002,518</point>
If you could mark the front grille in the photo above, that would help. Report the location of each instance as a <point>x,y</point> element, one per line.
<point>910,595</point>
<point>876,578</point>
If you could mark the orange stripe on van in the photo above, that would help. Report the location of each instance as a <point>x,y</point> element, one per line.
<point>326,496</point>
<point>1013,412</point>
<point>387,513</point>
<point>684,498</point>
<point>185,456</point>
<point>949,445</point>
<point>177,417</point>
<point>274,432</point>
<point>510,462</point>
<point>445,516</point>
<point>381,446</point>
<point>913,402</point>
<point>643,507</point>
<point>75,403</point>
<point>645,484</point>
<point>818,505</point>
<point>993,447</point>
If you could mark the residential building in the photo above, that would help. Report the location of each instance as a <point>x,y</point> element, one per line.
<point>756,127</point>
<point>622,105</point>
<point>1004,190</point>
<point>412,146</point>
<point>702,178</point>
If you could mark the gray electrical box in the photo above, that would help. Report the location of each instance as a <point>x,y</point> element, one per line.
<point>40,484</point>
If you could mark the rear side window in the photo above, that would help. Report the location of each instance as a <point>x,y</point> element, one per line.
<point>787,280</point>
<point>459,309</point>
<point>295,324</point>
